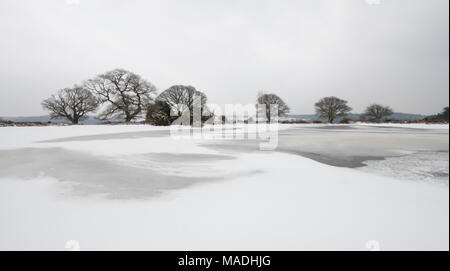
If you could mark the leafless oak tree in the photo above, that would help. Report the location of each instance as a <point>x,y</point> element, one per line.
<point>378,112</point>
<point>71,103</point>
<point>126,94</point>
<point>181,98</point>
<point>272,99</point>
<point>331,108</point>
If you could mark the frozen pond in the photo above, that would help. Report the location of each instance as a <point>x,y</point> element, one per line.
<point>402,153</point>
<point>405,153</point>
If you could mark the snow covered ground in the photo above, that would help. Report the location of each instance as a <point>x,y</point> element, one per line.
<point>326,187</point>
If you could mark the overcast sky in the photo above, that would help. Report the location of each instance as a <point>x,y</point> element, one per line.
<point>395,52</point>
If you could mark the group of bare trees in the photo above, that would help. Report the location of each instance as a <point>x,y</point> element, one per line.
<point>331,108</point>
<point>125,95</point>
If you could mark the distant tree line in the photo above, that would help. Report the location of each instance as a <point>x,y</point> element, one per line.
<point>443,116</point>
<point>124,95</point>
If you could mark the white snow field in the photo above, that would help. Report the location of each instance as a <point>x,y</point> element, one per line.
<point>326,187</point>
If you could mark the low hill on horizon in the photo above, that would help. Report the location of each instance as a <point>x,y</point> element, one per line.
<point>46,118</point>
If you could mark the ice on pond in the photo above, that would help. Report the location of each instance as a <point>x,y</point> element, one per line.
<point>420,166</point>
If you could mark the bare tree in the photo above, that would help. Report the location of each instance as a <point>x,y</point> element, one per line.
<point>71,103</point>
<point>181,98</point>
<point>126,94</point>
<point>331,108</point>
<point>272,99</point>
<point>378,112</point>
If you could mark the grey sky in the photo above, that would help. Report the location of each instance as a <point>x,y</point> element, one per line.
<point>394,53</point>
